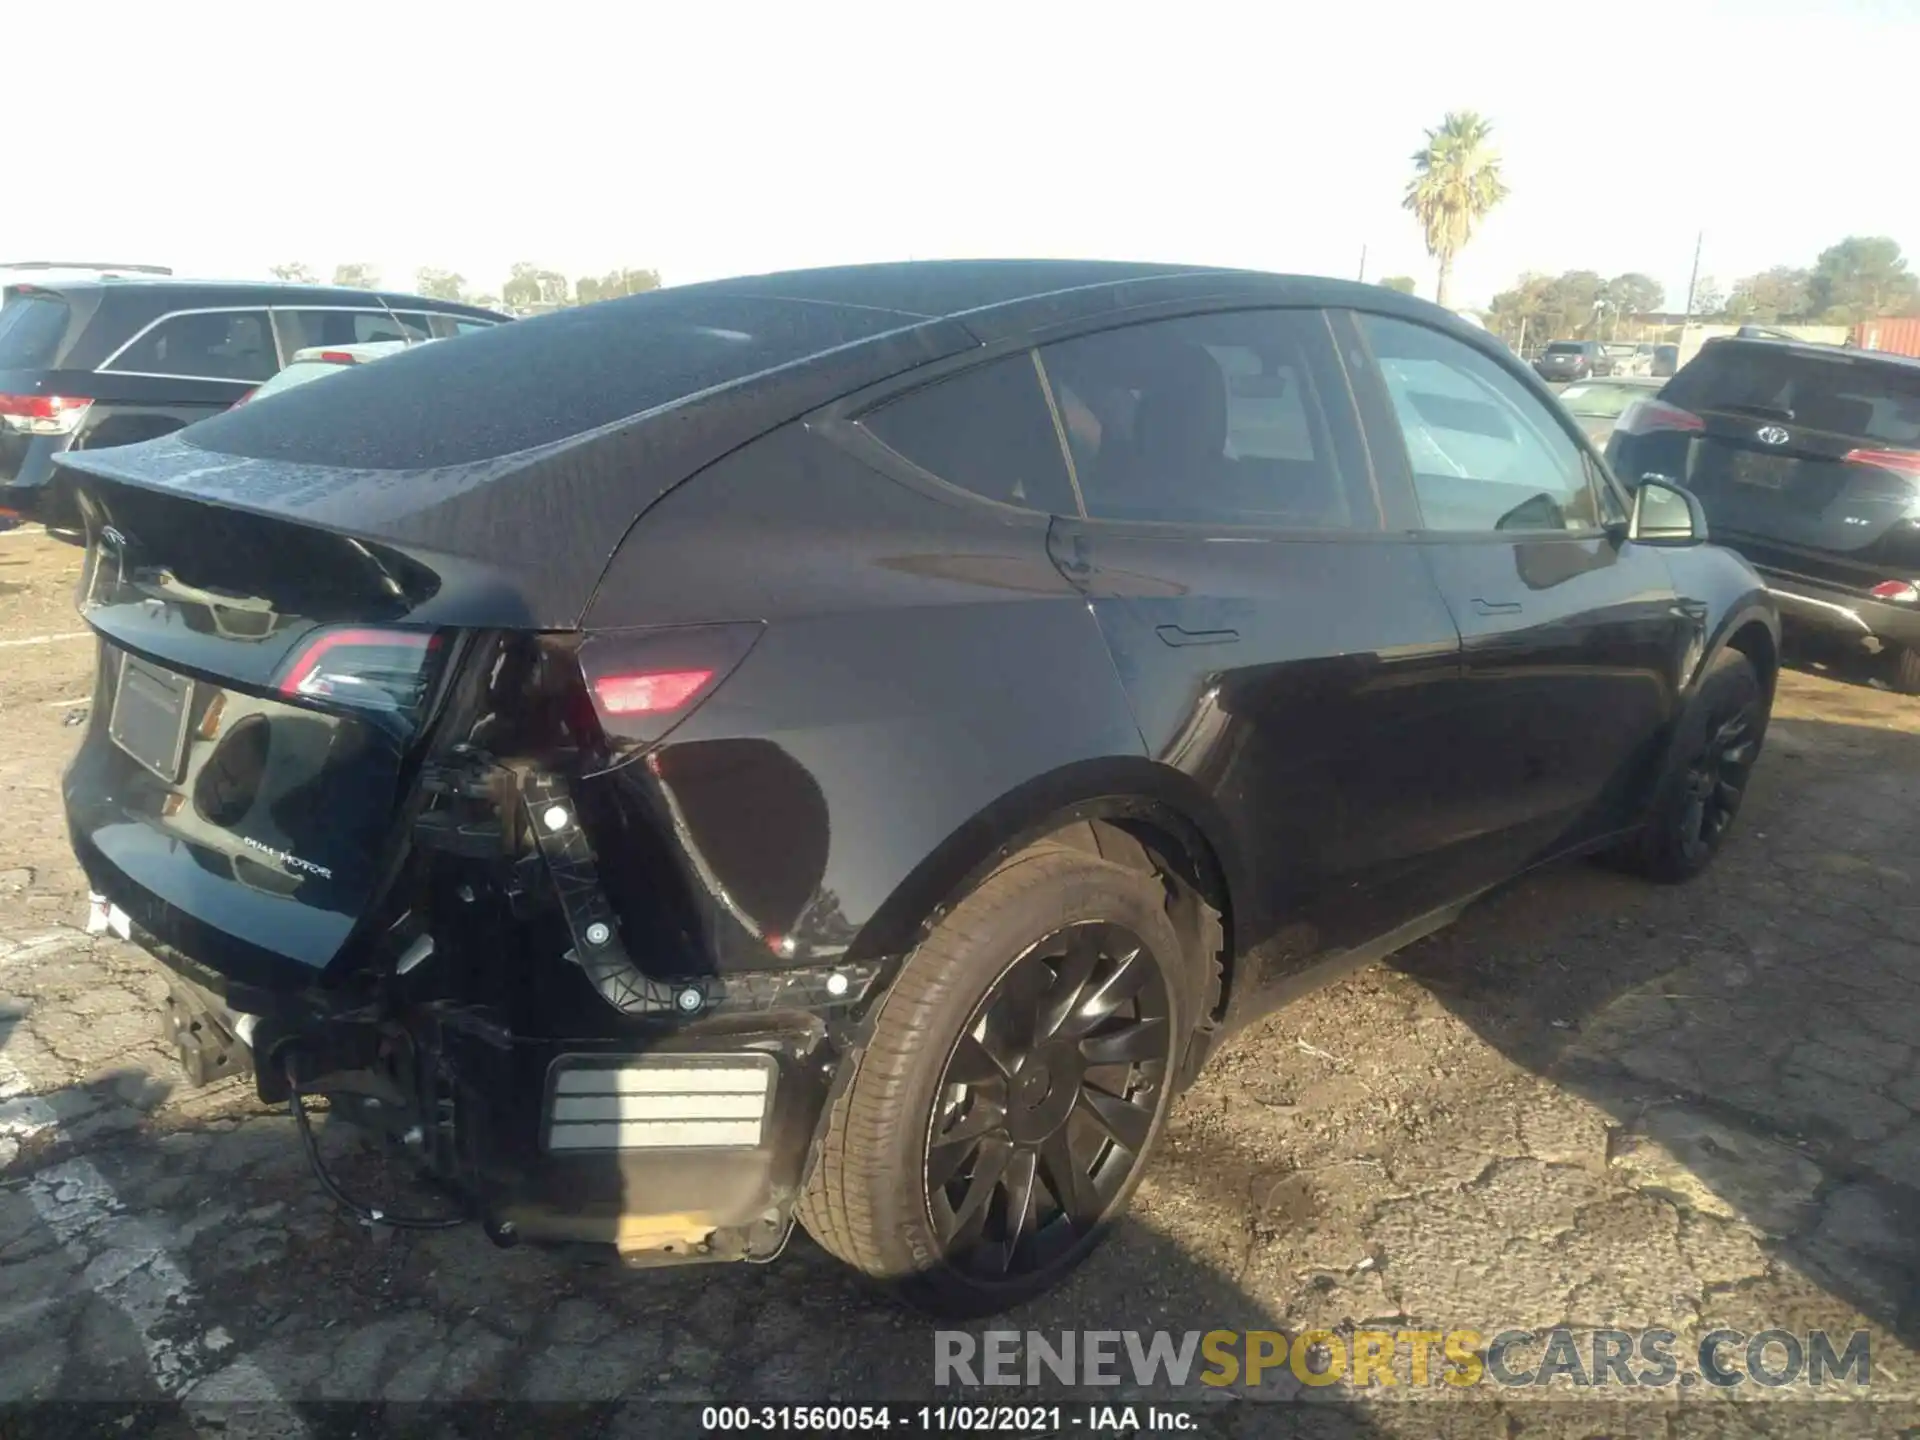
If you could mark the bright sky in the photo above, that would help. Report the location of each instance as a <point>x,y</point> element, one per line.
<point>705,139</point>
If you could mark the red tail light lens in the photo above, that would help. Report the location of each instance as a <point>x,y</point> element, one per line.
<point>1902,462</point>
<point>42,414</point>
<point>648,692</point>
<point>1645,417</point>
<point>1900,591</point>
<point>644,682</point>
<point>383,673</point>
<point>338,357</point>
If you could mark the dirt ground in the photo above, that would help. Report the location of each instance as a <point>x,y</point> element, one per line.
<point>1593,1102</point>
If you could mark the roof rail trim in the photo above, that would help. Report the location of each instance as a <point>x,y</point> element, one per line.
<point>84,265</point>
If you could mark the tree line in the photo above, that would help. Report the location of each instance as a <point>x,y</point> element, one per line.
<point>528,288</point>
<point>1457,181</point>
<point>1579,305</point>
<point>1863,277</point>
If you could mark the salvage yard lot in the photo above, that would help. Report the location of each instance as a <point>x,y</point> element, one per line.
<point>1593,1102</point>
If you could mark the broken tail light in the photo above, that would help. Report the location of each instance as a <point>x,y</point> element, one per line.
<point>387,674</point>
<point>42,414</point>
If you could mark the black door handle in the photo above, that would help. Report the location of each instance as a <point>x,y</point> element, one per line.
<point>1496,607</point>
<point>1174,635</point>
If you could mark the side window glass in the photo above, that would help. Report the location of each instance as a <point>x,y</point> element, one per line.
<point>1486,454</point>
<point>1606,494</point>
<point>371,325</point>
<point>1240,418</point>
<point>215,345</point>
<point>987,430</point>
<point>302,329</point>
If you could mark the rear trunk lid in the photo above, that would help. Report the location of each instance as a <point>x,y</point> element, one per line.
<point>1807,463</point>
<point>260,695</point>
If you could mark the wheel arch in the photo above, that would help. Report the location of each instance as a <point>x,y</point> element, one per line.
<point>1760,643</point>
<point>1128,810</point>
<point>1748,624</point>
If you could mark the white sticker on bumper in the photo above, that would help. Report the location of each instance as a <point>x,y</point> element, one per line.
<point>103,916</point>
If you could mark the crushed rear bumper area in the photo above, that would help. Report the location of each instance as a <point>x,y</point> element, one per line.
<point>688,1144</point>
<point>692,1148</point>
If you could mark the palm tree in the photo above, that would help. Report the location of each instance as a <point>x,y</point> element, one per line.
<point>1456,181</point>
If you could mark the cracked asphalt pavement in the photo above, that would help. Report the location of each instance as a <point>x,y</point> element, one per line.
<point>1593,1102</point>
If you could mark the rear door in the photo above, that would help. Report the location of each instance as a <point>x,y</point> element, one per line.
<point>182,367</point>
<point>1572,636</point>
<point>1280,644</point>
<point>1807,463</point>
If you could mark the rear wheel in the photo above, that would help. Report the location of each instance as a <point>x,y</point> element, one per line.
<point>1906,670</point>
<point>1705,782</point>
<point>1019,1073</point>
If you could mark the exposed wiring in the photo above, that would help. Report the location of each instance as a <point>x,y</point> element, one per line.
<point>367,1215</point>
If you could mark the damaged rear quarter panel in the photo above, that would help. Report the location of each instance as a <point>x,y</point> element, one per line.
<point>922,659</point>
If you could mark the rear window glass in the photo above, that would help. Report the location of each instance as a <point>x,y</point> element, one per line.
<point>1867,400</point>
<point>987,430</point>
<point>31,328</point>
<point>514,387</point>
<point>204,345</point>
<point>1566,347</point>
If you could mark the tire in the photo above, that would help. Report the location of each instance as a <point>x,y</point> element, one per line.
<point>899,1144</point>
<point>1705,779</point>
<point>1906,670</point>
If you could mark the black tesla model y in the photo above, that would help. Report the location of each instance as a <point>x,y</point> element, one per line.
<point>844,746</point>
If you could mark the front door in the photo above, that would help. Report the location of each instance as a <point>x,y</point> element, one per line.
<point>1281,646</point>
<point>1573,639</point>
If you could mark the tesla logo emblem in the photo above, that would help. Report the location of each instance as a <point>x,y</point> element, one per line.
<point>1771,435</point>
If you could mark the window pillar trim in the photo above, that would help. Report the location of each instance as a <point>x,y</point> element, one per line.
<point>1060,431</point>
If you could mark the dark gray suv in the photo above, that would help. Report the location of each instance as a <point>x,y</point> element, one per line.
<point>1572,360</point>
<point>111,358</point>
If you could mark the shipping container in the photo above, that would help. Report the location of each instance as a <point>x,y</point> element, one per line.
<point>1899,337</point>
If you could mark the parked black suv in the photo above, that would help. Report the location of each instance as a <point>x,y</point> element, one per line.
<point>833,744</point>
<point>117,358</point>
<point>1806,459</point>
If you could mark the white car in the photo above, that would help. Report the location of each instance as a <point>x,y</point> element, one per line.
<point>1628,359</point>
<point>317,361</point>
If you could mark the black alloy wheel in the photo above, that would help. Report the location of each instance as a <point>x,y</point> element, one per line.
<point>1716,781</point>
<point>1018,1075</point>
<point>1706,776</point>
<point>1047,1101</point>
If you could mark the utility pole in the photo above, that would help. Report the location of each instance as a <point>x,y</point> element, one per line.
<point>1363,263</point>
<point>1693,280</point>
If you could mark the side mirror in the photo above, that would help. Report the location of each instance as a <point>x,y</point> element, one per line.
<point>1666,514</point>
